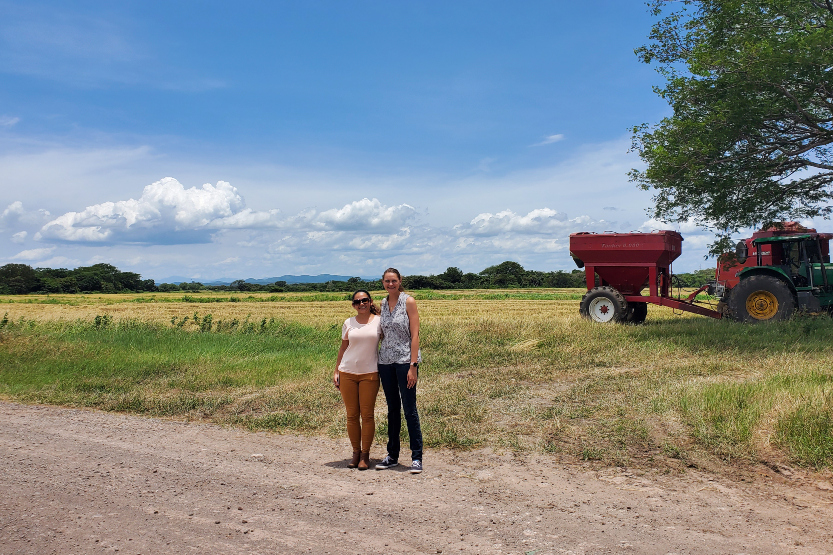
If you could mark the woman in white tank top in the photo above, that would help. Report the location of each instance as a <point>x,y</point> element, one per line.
<point>357,376</point>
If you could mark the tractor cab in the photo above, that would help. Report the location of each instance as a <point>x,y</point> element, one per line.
<point>803,260</point>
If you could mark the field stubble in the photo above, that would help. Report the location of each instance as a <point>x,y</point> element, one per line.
<point>501,370</point>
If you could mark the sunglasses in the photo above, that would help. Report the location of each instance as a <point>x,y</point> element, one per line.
<point>357,302</point>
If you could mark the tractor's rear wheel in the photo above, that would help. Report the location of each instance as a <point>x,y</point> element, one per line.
<point>637,312</point>
<point>761,299</point>
<point>604,304</point>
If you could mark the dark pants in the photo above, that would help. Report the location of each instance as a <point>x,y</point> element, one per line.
<point>394,378</point>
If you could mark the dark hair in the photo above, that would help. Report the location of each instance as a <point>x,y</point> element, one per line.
<point>373,308</point>
<point>398,275</point>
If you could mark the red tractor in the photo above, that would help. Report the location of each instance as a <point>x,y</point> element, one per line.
<point>771,274</point>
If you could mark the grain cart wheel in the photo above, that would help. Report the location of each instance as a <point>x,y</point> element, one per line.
<point>604,304</point>
<point>637,312</point>
<point>761,299</point>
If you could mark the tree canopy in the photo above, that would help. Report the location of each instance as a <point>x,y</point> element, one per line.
<point>749,140</point>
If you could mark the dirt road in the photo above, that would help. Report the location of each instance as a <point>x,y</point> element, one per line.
<point>84,482</point>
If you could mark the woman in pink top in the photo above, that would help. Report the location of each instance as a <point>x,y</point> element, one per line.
<point>357,376</point>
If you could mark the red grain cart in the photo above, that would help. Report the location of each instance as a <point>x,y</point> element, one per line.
<point>626,264</point>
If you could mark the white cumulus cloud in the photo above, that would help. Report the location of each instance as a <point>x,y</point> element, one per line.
<point>16,216</point>
<point>538,221</point>
<point>381,242</point>
<point>365,214</point>
<point>14,210</point>
<point>166,213</point>
<point>33,254</point>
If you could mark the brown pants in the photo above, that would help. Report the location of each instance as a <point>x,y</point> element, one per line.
<point>359,393</point>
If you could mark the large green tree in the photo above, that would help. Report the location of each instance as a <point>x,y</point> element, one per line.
<point>750,83</point>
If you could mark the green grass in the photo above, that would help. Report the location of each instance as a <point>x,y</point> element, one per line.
<point>126,366</point>
<point>723,416</point>
<point>807,434</point>
<point>675,390</point>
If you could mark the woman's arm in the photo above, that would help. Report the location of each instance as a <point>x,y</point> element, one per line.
<point>413,319</point>
<point>344,344</point>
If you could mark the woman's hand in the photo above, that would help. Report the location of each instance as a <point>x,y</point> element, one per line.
<point>412,377</point>
<point>335,379</point>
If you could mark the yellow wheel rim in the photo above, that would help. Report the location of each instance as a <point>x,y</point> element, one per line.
<point>762,305</point>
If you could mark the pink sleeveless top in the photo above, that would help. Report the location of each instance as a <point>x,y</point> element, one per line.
<point>363,348</point>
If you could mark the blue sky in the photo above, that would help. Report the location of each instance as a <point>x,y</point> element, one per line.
<point>254,139</point>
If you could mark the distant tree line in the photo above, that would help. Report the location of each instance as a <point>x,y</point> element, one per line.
<point>504,275</point>
<point>98,278</point>
<point>105,278</point>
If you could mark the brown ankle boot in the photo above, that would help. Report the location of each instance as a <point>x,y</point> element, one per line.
<point>354,462</point>
<point>364,463</point>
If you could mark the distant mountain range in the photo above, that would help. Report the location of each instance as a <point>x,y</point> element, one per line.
<point>320,278</point>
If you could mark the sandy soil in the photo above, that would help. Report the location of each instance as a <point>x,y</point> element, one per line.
<point>75,481</point>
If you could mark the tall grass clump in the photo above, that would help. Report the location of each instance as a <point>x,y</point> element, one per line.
<point>805,428</point>
<point>724,416</point>
<point>807,434</point>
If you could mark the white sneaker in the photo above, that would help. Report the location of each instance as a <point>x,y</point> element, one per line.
<point>387,462</point>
